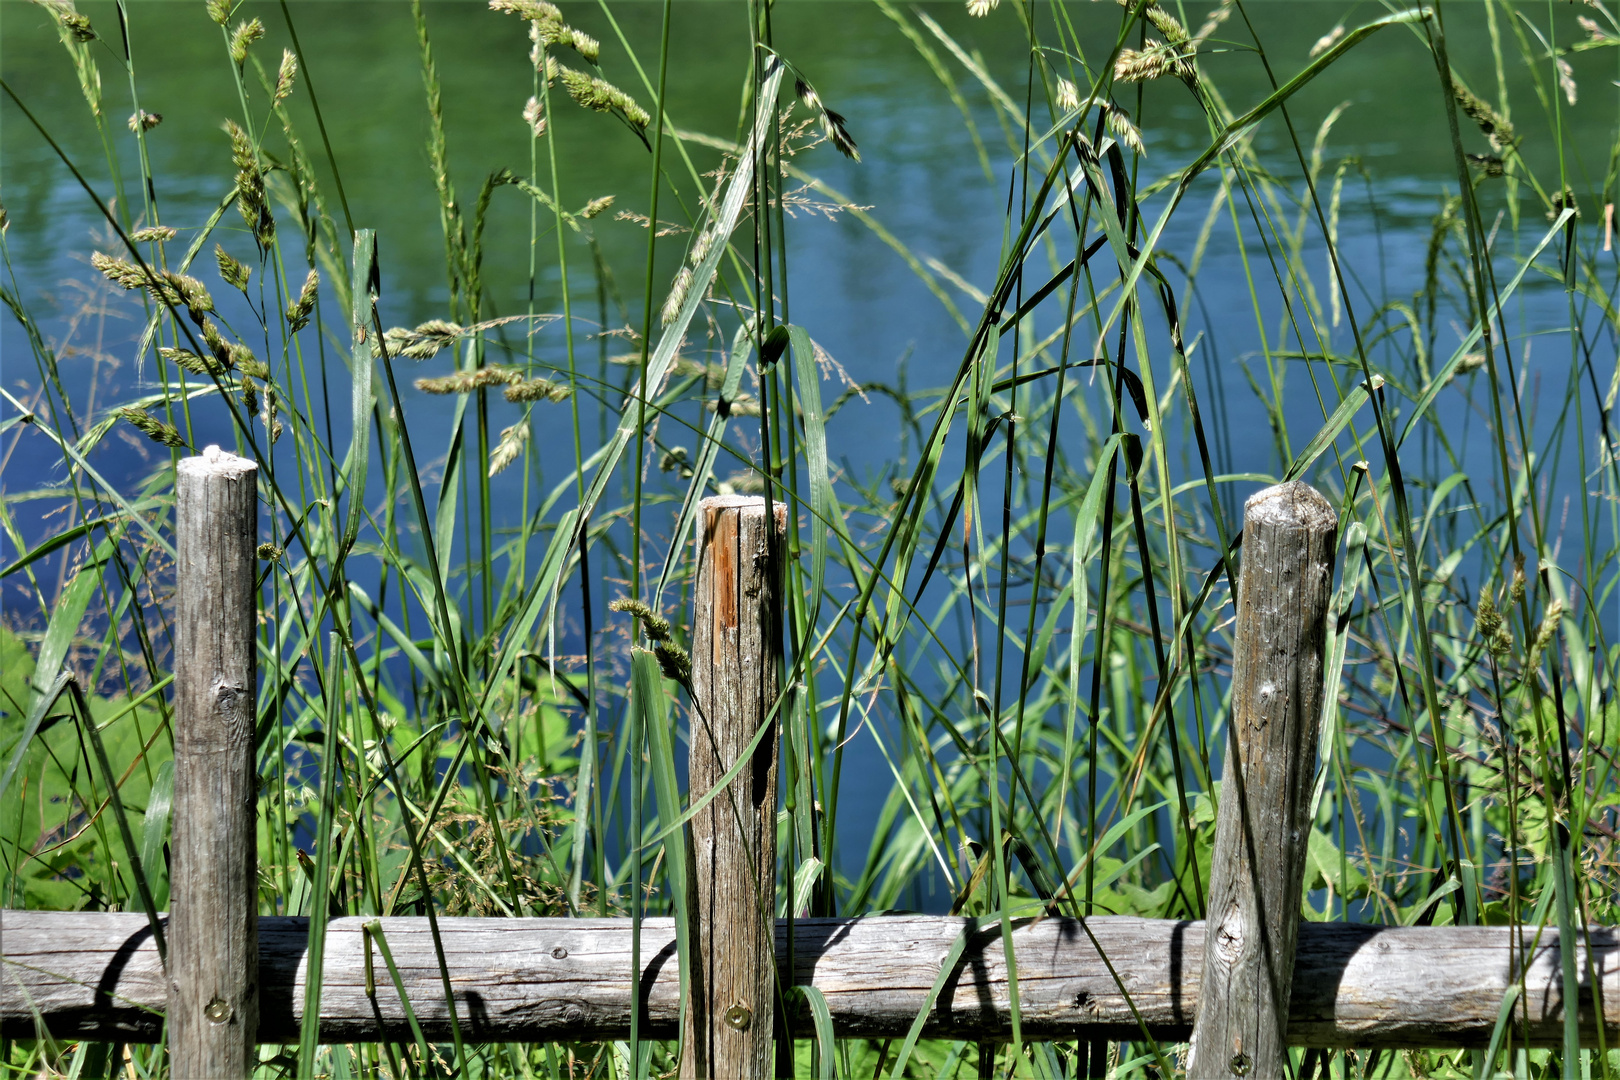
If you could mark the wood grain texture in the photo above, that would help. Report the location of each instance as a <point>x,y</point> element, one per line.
<point>1262,826</point>
<point>213,952</point>
<point>96,975</point>
<point>736,652</point>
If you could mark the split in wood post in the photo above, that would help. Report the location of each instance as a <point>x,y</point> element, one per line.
<point>1263,827</point>
<point>213,994</point>
<point>736,651</point>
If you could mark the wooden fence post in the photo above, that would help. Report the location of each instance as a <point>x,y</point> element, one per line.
<point>213,992</point>
<point>736,651</point>
<point>1262,827</point>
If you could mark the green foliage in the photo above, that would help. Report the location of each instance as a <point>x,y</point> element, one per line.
<point>58,843</point>
<point>1015,625</point>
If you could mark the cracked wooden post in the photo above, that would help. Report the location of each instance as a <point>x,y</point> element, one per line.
<point>213,993</point>
<point>1262,827</point>
<point>736,653</point>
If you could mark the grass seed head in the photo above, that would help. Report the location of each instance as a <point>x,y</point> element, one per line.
<point>190,361</point>
<point>547,30</point>
<point>424,342</point>
<point>744,404</point>
<point>167,287</point>
<point>599,94</point>
<point>242,38</point>
<point>1159,58</point>
<point>243,360</point>
<point>191,293</point>
<point>236,274</point>
<point>535,117</point>
<point>1566,79</point>
<point>74,24</point>
<point>700,247</point>
<point>298,310</point>
<point>675,662</point>
<point>152,234</point>
<point>285,76</point>
<point>980,8</point>
<point>1546,632</point>
<point>656,626</point>
<point>159,432</point>
<point>1491,123</point>
<point>1068,96</point>
<point>527,390</point>
<point>677,461</point>
<point>509,448</point>
<point>531,10</point>
<point>250,197</point>
<point>1119,122</point>
<point>465,382</point>
<point>219,11</point>
<point>1490,625</point>
<point>144,121</point>
<point>119,271</point>
<point>677,297</point>
<point>216,343</point>
<point>270,553</point>
<point>596,206</point>
<point>1167,24</point>
<point>1327,41</point>
<point>833,124</point>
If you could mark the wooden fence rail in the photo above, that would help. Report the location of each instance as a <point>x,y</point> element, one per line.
<point>235,978</point>
<point>96,976</point>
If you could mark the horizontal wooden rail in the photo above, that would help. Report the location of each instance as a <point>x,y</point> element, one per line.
<point>96,976</point>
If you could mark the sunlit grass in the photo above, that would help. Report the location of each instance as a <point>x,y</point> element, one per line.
<point>1018,625</point>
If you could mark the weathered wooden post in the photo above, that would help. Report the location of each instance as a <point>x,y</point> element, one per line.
<point>1257,874</point>
<point>736,649</point>
<point>213,993</point>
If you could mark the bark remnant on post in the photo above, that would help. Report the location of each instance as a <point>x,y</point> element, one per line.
<point>1262,827</point>
<point>213,991</point>
<point>736,651</point>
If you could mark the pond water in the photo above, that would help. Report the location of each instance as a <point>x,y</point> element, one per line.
<point>919,176</point>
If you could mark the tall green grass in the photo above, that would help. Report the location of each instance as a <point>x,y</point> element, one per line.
<point>1019,623</point>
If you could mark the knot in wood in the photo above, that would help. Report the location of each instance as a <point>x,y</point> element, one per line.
<point>226,697</point>
<point>559,953</point>
<point>573,1015</point>
<point>1229,937</point>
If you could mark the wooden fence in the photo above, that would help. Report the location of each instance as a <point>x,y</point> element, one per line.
<point>1260,983</point>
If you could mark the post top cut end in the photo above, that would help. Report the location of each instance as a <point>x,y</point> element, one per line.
<point>735,502</point>
<point>1295,504</point>
<point>747,506</point>
<point>216,462</point>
